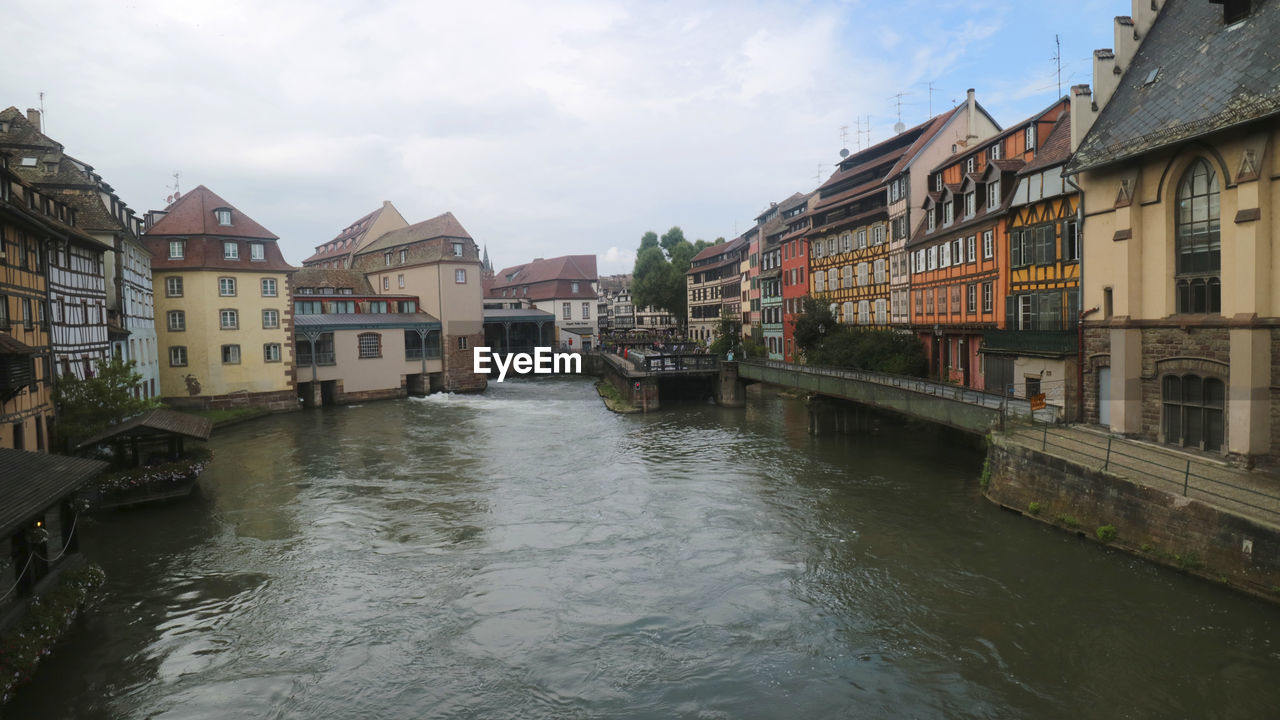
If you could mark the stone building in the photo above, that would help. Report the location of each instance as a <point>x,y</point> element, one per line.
<point>1178,168</point>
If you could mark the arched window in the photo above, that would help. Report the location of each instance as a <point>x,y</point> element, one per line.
<point>1193,409</point>
<point>1199,246</point>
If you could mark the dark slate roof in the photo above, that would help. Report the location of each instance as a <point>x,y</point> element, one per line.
<point>156,422</point>
<point>348,240</point>
<point>1211,77</point>
<point>315,277</point>
<point>31,482</point>
<point>517,314</point>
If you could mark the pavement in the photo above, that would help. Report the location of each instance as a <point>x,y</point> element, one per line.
<point>1254,494</point>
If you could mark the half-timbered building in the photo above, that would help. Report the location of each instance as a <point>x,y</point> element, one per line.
<point>26,387</point>
<point>959,254</point>
<point>76,280</point>
<point>795,270</point>
<point>714,286</point>
<point>1036,352</point>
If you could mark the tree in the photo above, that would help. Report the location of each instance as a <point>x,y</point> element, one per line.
<point>658,278</point>
<point>728,338</point>
<point>814,322</point>
<point>88,406</point>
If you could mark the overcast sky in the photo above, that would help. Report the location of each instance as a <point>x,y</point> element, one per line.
<point>547,128</point>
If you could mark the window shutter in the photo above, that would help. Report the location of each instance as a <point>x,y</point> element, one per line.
<point>1009,320</point>
<point>1015,249</point>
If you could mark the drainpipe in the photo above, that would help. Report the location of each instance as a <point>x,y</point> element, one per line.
<point>1080,361</point>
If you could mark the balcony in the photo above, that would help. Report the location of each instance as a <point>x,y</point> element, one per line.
<point>321,358</point>
<point>1051,343</point>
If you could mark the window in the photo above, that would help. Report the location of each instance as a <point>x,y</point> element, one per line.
<point>933,258</point>
<point>460,276</point>
<point>846,313</point>
<point>972,248</point>
<point>370,345</point>
<point>230,354</point>
<point>227,287</point>
<point>948,212</point>
<point>268,287</point>
<point>270,319</point>
<point>971,298</point>
<point>457,249</point>
<point>993,194</point>
<point>404,253</point>
<point>400,280</point>
<point>846,276</point>
<point>928,301</point>
<point>970,206</point>
<point>223,215</point>
<point>462,342</point>
<point>1071,241</point>
<point>988,246</point>
<point>833,281</point>
<point>308,307</point>
<point>586,311</point>
<point>173,287</point>
<point>177,251</point>
<point>877,235</point>
<point>819,282</point>
<point>996,151</point>
<point>177,321</point>
<point>1193,411</point>
<point>931,218</point>
<point>342,307</point>
<point>386,283</point>
<point>1198,242</point>
<point>987,300</point>
<point>177,356</point>
<point>378,306</point>
<point>386,259</point>
<point>1031,137</point>
<point>566,311</point>
<point>271,352</point>
<point>229,319</point>
<point>955,299</point>
<point>573,287</point>
<point>862,273</point>
<point>231,250</point>
<point>257,251</point>
<point>969,165</point>
<point>881,311</point>
<point>879,270</point>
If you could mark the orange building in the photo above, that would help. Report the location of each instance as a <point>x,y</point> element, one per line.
<point>959,253</point>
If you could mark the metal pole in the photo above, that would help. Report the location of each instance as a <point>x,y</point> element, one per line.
<point>1186,479</point>
<point>1107,463</point>
<point>1044,444</point>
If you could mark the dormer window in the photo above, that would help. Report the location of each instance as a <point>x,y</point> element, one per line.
<point>1031,137</point>
<point>177,249</point>
<point>223,215</point>
<point>995,151</point>
<point>573,287</point>
<point>937,182</point>
<point>28,162</point>
<point>231,250</point>
<point>457,251</point>
<point>969,165</point>
<point>257,251</point>
<point>970,205</point>
<point>948,212</point>
<point>932,215</point>
<point>993,194</point>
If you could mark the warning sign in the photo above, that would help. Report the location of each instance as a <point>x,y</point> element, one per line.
<point>1037,402</point>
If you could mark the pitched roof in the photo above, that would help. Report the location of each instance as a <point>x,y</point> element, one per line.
<point>446,226</point>
<point>192,214</point>
<point>1207,77</point>
<point>565,267</point>
<point>349,239</point>
<point>720,248</point>
<point>31,482</point>
<point>1055,150</point>
<point>928,130</point>
<point>156,422</point>
<point>9,345</point>
<point>331,277</point>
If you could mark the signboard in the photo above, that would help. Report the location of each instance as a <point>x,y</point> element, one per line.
<point>1037,401</point>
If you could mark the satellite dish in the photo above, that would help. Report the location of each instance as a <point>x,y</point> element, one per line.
<point>899,127</point>
<point>844,152</point>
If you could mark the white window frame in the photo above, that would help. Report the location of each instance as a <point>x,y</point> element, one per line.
<point>269,287</point>
<point>177,356</point>
<point>230,354</point>
<point>177,249</point>
<point>993,194</point>
<point>460,276</point>
<point>229,315</point>
<point>972,247</point>
<point>181,317</point>
<point>225,284</point>
<point>230,250</point>
<point>270,319</point>
<point>271,352</point>
<point>988,245</point>
<point>172,283</point>
<point>257,251</point>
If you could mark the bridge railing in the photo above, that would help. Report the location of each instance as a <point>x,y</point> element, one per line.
<point>1008,405</point>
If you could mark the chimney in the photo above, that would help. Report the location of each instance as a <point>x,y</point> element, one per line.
<point>1082,114</point>
<point>33,116</point>
<point>1106,76</point>
<point>971,115</point>
<point>1144,15</point>
<point>1126,41</point>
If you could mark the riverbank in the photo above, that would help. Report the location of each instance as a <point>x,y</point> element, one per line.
<point>1204,522</point>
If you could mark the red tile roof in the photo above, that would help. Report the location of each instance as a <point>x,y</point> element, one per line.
<point>192,214</point>
<point>565,267</point>
<point>1056,149</point>
<point>445,225</point>
<point>348,240</point>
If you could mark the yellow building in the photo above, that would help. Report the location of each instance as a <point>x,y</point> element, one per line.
<point>223,315</point>
<point>1178,171</point>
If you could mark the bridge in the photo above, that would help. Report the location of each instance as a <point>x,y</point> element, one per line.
<point>951,405</point>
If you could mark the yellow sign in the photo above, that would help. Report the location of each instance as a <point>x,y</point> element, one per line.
<point>1037,402</point>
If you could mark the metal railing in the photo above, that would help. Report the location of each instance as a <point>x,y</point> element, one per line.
<point>321,358</point>
<point>420,353</point>
<point>1011,407</point>
<point>1174,475</point>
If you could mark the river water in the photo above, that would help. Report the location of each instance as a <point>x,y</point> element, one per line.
<point>528,554</point>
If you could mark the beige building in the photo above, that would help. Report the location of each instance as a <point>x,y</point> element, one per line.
<point>564,286</point>
<point>222,306</point>
<point>1180,221</point>
<point>437,261</point>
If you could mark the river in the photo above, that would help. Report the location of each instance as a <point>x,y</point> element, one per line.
<point>527,554</point>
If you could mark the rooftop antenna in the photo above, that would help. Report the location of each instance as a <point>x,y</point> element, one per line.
<point>844,141</point>
<point>177,190</point>
<point>867,130</point>
<point>1057,59</point>
<point>899,126</point>
<point>932,90</point>
<point>817,177</point>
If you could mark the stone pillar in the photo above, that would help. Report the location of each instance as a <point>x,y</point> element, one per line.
<point>730,391</point>
<point>644,393</point>
<point>1126,381</point>
<point>1249,392</point>
<point>311,397</point>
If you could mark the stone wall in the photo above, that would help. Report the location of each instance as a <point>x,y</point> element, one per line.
<point>277,401</point>
<point>459,364</point>
<point>1162,527</point>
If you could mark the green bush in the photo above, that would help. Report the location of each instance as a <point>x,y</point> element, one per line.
<point>1034,508</point>
<point>1106,533</point>
<point>1068,520</point>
